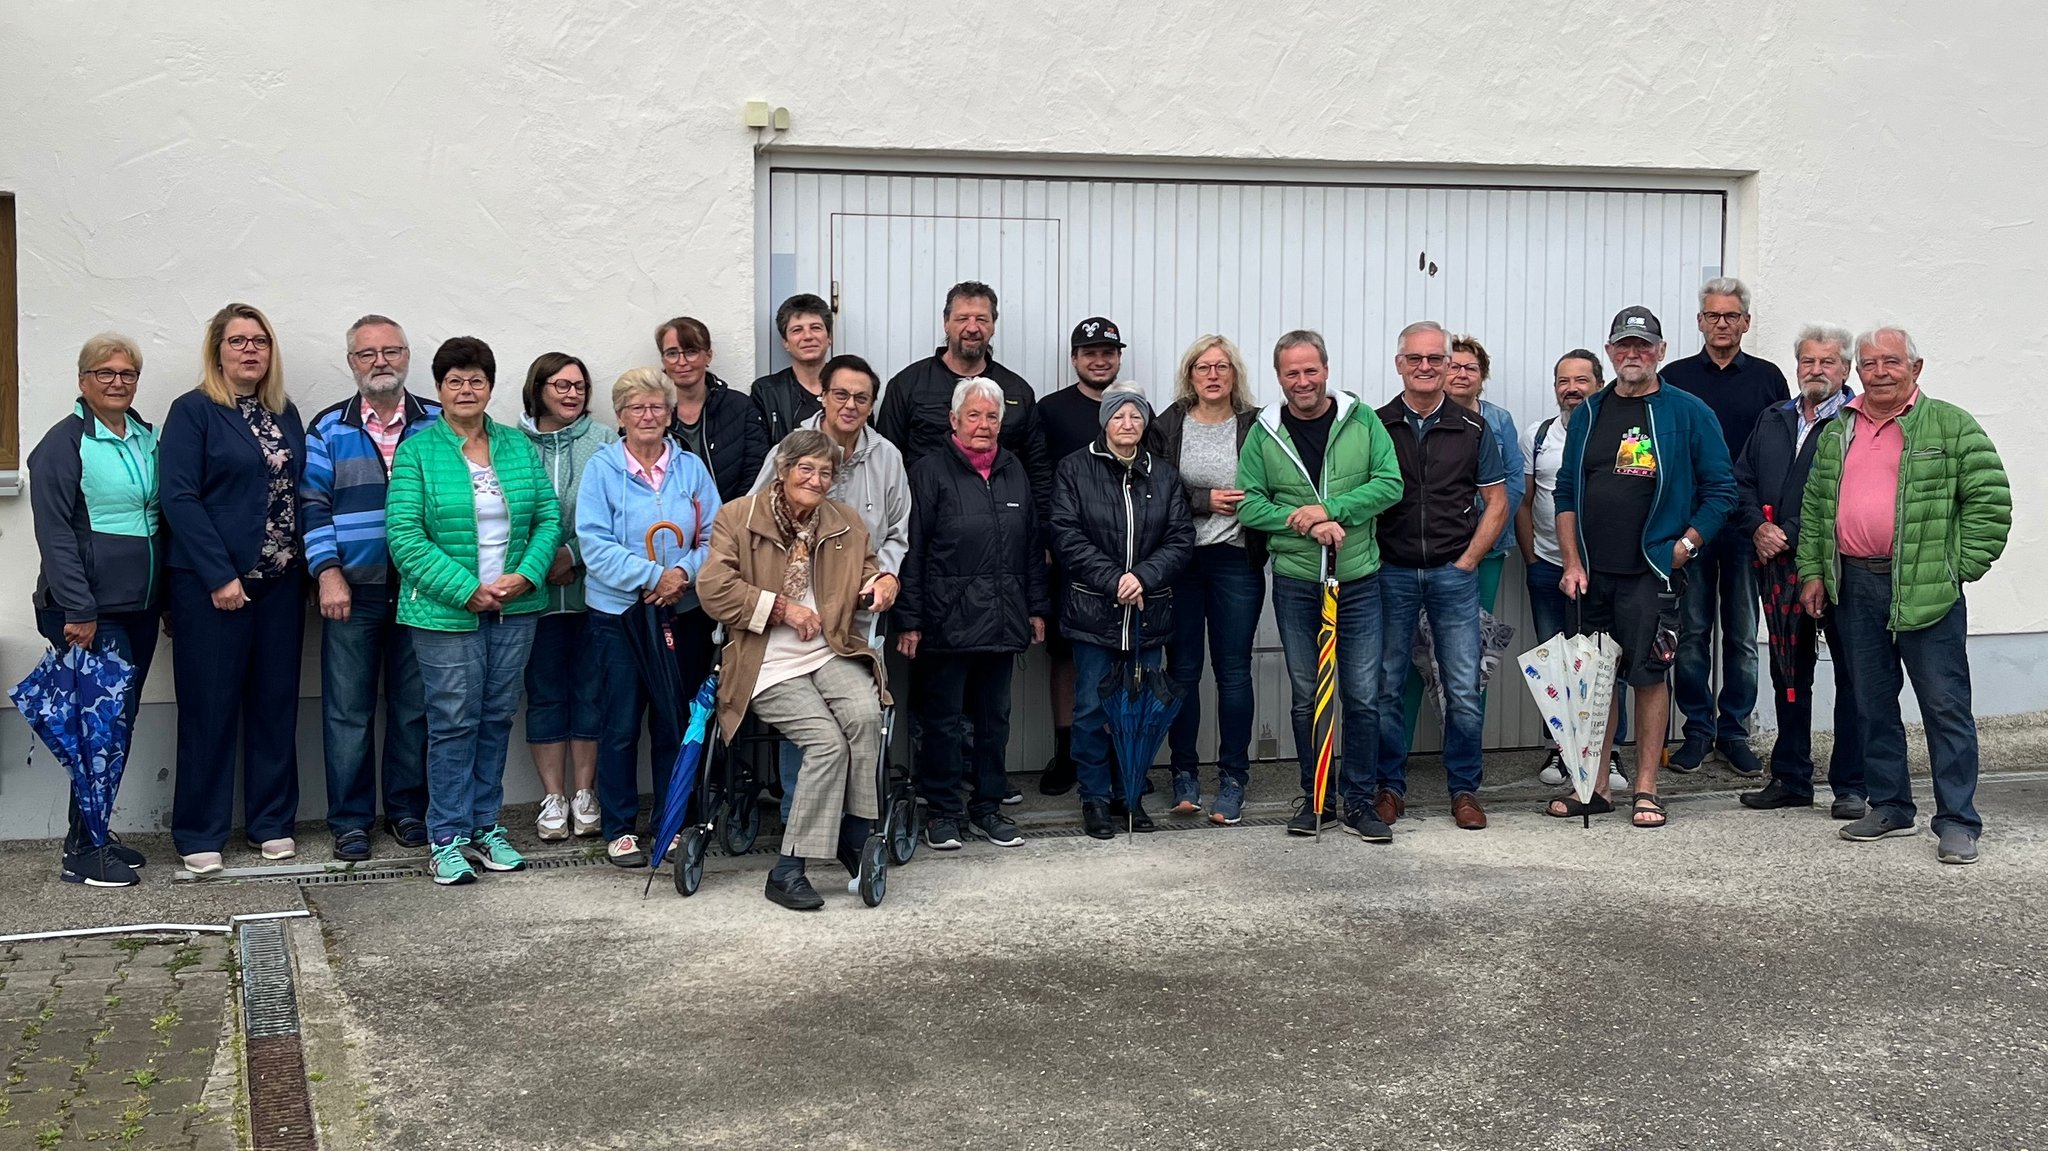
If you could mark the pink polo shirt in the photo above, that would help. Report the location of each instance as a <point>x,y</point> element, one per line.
<point>1867,509</point>
<point>652,475</point>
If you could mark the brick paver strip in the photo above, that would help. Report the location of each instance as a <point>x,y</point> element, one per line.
<point>111,1039</point>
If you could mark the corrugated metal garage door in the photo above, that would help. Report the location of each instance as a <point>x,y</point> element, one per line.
<point>1532,272</point>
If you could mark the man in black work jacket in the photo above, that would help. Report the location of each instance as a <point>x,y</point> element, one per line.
<point>916,411</point>
<point>1771,474</point>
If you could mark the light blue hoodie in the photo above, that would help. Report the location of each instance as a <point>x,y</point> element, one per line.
<point>614,509</point>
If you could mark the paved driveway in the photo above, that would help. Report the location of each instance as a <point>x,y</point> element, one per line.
<point>1738,980</point>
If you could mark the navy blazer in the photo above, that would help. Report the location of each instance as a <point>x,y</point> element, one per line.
<point>215,486</point>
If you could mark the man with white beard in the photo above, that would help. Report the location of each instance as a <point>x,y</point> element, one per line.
<point>1770,483</point>
<point>341,507</point>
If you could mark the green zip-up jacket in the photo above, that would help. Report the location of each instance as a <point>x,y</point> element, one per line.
<point>430,524</point>
<point>1954,510</point>
<point>562,455</point>
<point>1361,478</point>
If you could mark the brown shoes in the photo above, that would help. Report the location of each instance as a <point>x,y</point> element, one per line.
<point>1466,811</point>
<point>1389,806</point>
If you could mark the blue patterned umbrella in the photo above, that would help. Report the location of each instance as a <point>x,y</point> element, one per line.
<point>76,701</point>
<point>682,780</point>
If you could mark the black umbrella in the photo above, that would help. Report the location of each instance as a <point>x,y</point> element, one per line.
<point>1791,633</point>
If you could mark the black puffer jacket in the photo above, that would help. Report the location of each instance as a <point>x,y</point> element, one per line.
<point>785,404</point>
<point>916,409</point>
<point>735,438</point>
<point>1108,519</point>
<point>975,574</point>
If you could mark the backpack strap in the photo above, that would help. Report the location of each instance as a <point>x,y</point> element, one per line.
<point>1542,430</point>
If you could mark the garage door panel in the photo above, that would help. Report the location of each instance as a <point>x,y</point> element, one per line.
<point>1531,271</point>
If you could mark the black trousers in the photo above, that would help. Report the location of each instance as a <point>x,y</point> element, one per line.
<point>237,674</point>
<point>949,690</point>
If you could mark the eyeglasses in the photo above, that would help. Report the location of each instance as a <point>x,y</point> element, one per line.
<point>674,355</point>
<point>843,399</point>
<point>1466,369</point>
<point>368,356</point>
<point>1722,317</point>
<point>109,375</point>
<point>647,411</point>
<point>1212,369</point>
<point>805,472</point>
<point>463,384</point>
<point>1416,360</point>
<point>568,387</point>
<point>241,343</point>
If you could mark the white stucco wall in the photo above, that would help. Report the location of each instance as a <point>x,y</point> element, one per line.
<point>565,174</point>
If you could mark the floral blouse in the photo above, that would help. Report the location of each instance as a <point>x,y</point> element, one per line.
<point>281,514</point>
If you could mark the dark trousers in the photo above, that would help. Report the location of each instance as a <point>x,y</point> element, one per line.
<point>1792,754</point>
<point>1218,598</point>
<point>1937,658</point>
<point>237,674</point>
<point>949,691</point>
<point>1720,587</point>
<point>625,701</point>
<point>128,634</point>
<point>356,655</point>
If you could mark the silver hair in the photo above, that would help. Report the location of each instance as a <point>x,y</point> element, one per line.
<point>1824,334</point>
<point>1725,286</point>
<point>1420,326</point>
<point>973,386</point>
<point>1870,336</point>
<point>806,443</point>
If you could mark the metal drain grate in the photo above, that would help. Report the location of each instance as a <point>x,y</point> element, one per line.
<point>270,1003</point>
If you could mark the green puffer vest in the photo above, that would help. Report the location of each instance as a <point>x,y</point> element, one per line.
<point>1954,510</point>
<point>430,524</point>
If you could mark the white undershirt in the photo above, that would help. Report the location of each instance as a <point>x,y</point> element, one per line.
<point>493,523</point>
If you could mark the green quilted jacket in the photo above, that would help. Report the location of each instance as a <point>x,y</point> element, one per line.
<point>430,524</point>
<point>1954,511</point>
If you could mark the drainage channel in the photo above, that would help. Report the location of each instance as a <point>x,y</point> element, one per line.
<point>280,1108</point>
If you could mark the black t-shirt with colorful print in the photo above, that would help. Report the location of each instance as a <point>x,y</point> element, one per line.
<point>1620,484</point>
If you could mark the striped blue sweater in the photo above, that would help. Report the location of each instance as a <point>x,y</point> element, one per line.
<point>341,498</point>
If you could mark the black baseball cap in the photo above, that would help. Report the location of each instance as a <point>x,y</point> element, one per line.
<point>1096,330</point>
<point>1637,323</point>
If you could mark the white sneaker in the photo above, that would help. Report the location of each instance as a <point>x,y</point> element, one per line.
<point>584,810</point>
<point>204,863</point>
<point>1616,781</point>
<point>553,824</point>
<point>275,849</point>
<point>625,852</point>
<point>1553,770</point>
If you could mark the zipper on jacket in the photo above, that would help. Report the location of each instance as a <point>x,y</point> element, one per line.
<point>1422,492</point>
<point>1898,516</point>
<point>1130,556</point>
<point>1657,492</point>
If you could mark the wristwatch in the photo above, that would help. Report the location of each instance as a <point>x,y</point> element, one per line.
<point>1692,550</point>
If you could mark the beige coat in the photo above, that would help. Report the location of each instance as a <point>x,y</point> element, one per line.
<point>743,575</point>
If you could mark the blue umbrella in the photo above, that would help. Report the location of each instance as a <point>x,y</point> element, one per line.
<point>76,701</point>
<point>682,778</point>
<point>1139,704</point>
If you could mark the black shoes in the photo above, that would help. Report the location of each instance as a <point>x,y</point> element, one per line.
<point>1687,758</point>
<point>793,891</point>
<point>1306,820</point>
<point>352,846</point>
<point>1740,759</point>
<point>1366,825</point>
<point>408,831</point>
<point>1849,807</point>
<point>1058,777</point>
<point>1134,816</point>
<point>1096,821</point>
<point>1774,795</point>
<point>98,867</point>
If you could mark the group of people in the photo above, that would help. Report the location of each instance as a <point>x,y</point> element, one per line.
<point>455,560</point>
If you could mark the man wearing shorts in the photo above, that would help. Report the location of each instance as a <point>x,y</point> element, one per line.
<point>1645,482</point>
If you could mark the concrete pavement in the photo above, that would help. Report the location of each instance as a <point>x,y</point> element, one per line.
<point>1737,980</point>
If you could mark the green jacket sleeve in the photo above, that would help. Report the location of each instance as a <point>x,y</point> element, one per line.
<point>1258,509</point>
<point>1985,517</point>
<point>422,565</point>
<point>1817,503</point>
<point>547,516</point>
<point>1358,507</point>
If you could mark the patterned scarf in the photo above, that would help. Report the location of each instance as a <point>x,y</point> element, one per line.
<point>798,536</point>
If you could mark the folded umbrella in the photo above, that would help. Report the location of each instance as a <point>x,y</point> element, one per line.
<point>76,702</point>
<point>1790,631</point>
<point>1323,726</point>
<point>682,778</point>
<point>1139,704</point>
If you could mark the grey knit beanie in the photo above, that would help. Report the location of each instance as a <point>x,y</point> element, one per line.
<point>1118,394</point>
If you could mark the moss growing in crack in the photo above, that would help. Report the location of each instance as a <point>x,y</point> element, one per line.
<point>185,957</point>
<point>143,1078</point>
<point>32,1029</point>
<point>131,945</point>
<point>49,1136</point>
<point>164,1021</point>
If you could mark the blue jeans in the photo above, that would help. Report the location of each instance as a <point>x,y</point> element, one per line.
<point>1298,610</point>
<point>564,683</point>
<point>1092,748</point>
<point>625,701</point>
<point>1723,575</point>
<point>1218,596</point>
<point>128,634</point>
<point>1547,605</point>
<point>1937,657</point>
<point>1451,597</point>
<point>355,655</point>
<point>472,688</point>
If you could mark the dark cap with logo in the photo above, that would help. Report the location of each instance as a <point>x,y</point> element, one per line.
<point>1637,323</point>
<point>1095,331</point>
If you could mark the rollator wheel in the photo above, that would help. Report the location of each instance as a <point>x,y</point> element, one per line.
<point>742,824</point>
<point>690,866</point>
<point>874,871</point>
<point>902,829</point>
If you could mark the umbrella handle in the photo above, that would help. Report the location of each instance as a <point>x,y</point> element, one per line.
<point>672,528</point>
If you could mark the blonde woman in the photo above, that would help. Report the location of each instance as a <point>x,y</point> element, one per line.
<point>1221,592</point>
<point>231,455</point>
